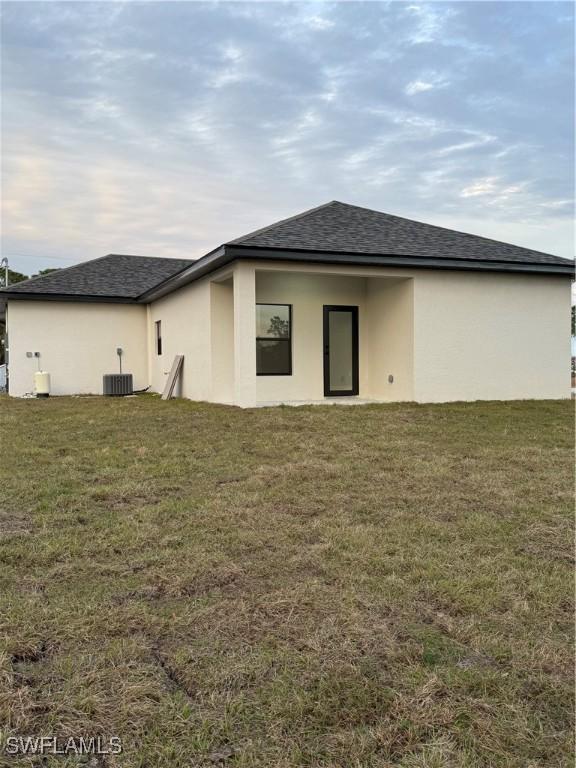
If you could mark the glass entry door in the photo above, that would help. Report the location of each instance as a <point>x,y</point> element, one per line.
<point>340,350</point>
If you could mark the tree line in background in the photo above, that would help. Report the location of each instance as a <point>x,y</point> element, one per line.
<point>18,277</point>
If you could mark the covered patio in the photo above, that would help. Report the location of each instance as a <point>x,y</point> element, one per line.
<point>300,334</point>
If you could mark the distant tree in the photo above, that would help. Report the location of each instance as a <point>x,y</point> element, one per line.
<point>18,277</point>
<point>46,271</point>
<point>278,327</point>
<point>13,276</point>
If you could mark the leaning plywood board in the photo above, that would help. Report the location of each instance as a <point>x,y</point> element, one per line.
<point>173,377</point>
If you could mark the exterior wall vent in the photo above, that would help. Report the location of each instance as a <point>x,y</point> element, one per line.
<point>117,384</point>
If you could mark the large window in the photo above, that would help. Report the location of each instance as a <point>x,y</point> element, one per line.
<point>273,339</point>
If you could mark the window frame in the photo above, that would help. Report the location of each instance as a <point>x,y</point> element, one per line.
<point>287,340</point>
<point>158,329</point>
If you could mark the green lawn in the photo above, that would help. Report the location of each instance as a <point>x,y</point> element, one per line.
<point>321,586</point>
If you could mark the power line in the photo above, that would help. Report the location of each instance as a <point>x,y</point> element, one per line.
<point>33,256</point>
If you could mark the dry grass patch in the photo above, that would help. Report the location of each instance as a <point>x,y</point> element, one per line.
<point>323,587</point>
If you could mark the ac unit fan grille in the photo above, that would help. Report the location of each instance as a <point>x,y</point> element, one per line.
<point>117,384</point>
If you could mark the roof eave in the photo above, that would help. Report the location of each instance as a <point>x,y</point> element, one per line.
<point>225,254</point>
<point>425,262</point>
<point>228,253</point>
<point>77,297</point>
<point>208,263</point>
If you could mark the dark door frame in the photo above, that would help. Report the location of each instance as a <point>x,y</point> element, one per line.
<point>326,346</point>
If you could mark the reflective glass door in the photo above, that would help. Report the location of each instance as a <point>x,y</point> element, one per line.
<point>340,350</point>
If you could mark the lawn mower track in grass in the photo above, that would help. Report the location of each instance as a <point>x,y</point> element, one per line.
<point>384,585</point>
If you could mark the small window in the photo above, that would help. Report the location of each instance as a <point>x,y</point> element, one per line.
<point>158,325</point>
<point>273,339</point>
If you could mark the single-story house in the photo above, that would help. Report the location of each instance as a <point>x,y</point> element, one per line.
<point>337,303</point>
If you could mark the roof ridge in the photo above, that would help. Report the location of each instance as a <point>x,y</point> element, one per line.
<point>448,229</point>
<point>238,240</point>
<point>57,269</point>
<point>190,263</point>
<point>438,227</point>
<point>116,276</point>
<point>139,256</point>
<point>60,270</point>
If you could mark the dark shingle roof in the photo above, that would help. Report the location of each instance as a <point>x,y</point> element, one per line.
<point>114,276</point>
<point>341,228</point>
<point>335,232</point>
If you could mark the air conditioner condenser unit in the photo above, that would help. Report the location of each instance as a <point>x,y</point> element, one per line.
<point>117,384</point>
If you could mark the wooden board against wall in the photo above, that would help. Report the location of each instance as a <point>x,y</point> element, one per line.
<point>173,377</point>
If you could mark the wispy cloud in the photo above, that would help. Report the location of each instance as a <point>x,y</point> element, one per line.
<point>418,86</point>
<point>427,82</point>
<point>430,21</point>
<point>493,188</point>
<point>166,128</point>
<point>475,142</point>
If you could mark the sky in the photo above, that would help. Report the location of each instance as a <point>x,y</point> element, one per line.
<point>167,128</point>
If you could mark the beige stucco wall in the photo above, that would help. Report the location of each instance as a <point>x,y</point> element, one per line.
<point>185,319</point>
<point>308,293</point>
<point>487,336</point>
<point>474,335</point>
<point>212,323</point>
<point>77,343</point>
<point>385,332</point>
<point>390,340</point>
<point>222,340</point>
<point>443,335</point>
<point>244,334</point>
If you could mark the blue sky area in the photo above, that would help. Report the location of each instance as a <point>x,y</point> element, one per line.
<point>166,128</point>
